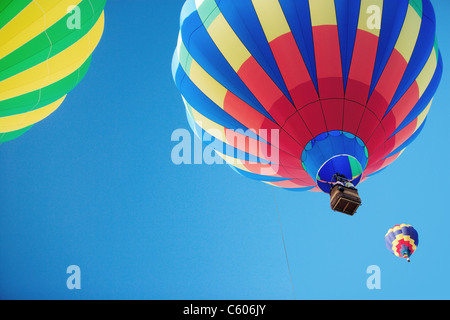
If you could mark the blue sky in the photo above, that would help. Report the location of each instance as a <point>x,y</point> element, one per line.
<point>93,185</point>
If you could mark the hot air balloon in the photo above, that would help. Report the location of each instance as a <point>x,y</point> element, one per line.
<point>45,51</point>
<point>304,94</point>
<point>402,240</point>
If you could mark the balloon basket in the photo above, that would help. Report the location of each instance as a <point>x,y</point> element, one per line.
<point>345,200</point>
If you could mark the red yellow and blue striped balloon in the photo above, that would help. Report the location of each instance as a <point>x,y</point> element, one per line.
<point>45,51</point>
<point>344,86</point>
<point>402,240</point>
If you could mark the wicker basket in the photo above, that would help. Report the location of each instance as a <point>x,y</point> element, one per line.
<point>345,200</point>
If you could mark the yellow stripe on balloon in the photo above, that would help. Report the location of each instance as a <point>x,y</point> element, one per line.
<point>54,69</point>
<point>33,20</point>
<point>219,132</point>
<point>238,163</point>
<point>399,227</point>
<point>211,127</point>
<point>231,160</point>
<point>407,38</point>
<point>19,121</point>
<point>427,73</point>
<point>422,116</point>
<point>207,84</point>
<point>228,42</point>
<point>405,238</point>
<point>272,18</point>
<point>368,11</point>
<point>323,12</point>
<point>396,228</point>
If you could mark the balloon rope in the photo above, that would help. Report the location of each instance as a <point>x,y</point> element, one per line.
<point>284,245</point>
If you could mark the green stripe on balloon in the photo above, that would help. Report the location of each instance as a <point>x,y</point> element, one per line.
<point>355,166</point>
<point>51,42</point>
<point>45,96</point>
<point>7,136</point>
<point>10,9</point>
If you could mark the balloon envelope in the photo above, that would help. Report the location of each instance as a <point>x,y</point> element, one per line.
<point>45,51</point>
<point>295,91</point>
<point>402,240</point>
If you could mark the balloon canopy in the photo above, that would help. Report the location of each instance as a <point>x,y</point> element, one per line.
<point>45,51</point>
<point>402,240</point>
<point>344,86</point>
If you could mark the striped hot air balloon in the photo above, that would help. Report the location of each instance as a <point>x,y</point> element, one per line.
<point>402,240</point>
<point>330,86</point>
<point>45,50</point>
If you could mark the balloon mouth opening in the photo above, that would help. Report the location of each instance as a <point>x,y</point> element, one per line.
<point>344,165</point>
<point>334,152</point>
<point>406,253</point>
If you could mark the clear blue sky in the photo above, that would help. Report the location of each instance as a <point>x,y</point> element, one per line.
<point>93,185</point>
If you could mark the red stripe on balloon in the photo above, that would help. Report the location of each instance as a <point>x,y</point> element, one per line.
<point>402,108</point>
<point>361,69</point>
<point>353,113</point>
<point>328,61</point>
<point>266,91</point>
<point>293,70</point>
<point>387,84</point>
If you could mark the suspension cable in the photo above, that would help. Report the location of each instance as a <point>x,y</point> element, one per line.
<point>284,245</point>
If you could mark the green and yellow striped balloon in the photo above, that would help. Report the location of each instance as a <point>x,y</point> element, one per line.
<point>45,51</point>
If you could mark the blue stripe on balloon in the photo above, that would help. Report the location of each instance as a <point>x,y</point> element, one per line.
<point>394,13</point>
<point>426,97</point>
<point>226,148</point>
<point>195,97</point>
<point>204,51</point>
<point>420,55</point>
<point>244,21</point>
<point>298,16</point>
<point>347,13</point>
<point>258,177</point>
<point>299,189</point>
<point>409,141</point>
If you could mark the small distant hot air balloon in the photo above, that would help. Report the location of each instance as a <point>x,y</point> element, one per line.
<point>45,51</point>
<point>402,240</point>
